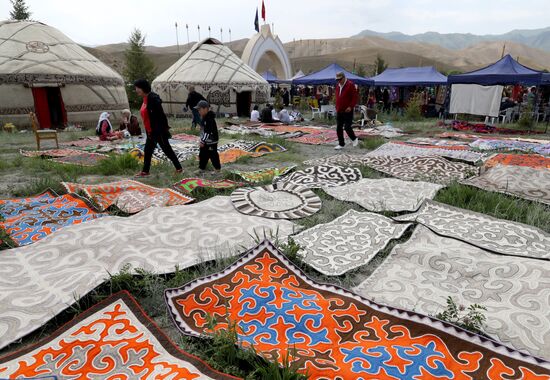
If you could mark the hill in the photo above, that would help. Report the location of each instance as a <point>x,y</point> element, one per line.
<point>535,38</point>
<point>311,55</point>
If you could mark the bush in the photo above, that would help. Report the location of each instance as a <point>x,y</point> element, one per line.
<point>413,110</point>
<point>471,318</point>
<point>526,118</point>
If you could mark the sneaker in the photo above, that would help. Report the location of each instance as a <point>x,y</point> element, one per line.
<point>356,142</point>
<point>142,175</point>
<point>338,147</point>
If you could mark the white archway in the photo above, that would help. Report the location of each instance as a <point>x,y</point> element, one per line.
<point>265,51</point>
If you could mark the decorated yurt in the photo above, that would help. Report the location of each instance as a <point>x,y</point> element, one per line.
<point>43,71</point>
<point>218,74</point>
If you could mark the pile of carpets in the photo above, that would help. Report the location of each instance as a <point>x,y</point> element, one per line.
<point>330,333</point>
<point>542,148</point>
<point>55,273</point>
<point>128,195</point>
<point>524,176</point>
<point>484,128</point>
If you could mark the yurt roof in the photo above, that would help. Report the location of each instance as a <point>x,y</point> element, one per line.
<point>211,62</point>
<point>34,52</point>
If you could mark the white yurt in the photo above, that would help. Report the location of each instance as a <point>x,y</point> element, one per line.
<point>218,74</point>
<point>43,71</point>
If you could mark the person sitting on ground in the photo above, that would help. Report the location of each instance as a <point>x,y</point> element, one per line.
<point>266,116</point>
<point>130,123</point>
<point>284,117</point>
<point>274,113</point>
<point>208,142</point>
<point>255,114</point>
<point>156,127</point>
<point>286,97</point>
<point>105,130</point>
<point>192,100</point>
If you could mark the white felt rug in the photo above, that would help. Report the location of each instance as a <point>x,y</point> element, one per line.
<point>497,235</point>
<point>39,281</point>
<point>387,194</point>
<point>420,274</point>
<point>404,150</point>
<point>347,242</point>
<point>322,176</point>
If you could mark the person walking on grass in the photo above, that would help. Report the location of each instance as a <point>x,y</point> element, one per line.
<point>346,100</point>
<point>192,100</point>
<point>208,141</point>
<point>156,127</point>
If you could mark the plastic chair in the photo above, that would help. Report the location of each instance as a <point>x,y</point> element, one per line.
<point>42,134</point>
<point>315,111</point>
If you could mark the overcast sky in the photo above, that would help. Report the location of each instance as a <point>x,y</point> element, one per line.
<point>96,22</point>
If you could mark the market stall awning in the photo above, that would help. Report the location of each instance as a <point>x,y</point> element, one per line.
<point>272,78</point>
<point>506,71</point>
<point>410,76</point>
<point>328,76</point>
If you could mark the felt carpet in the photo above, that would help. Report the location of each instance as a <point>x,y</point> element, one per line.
<point>486,144</point>
<point>347,242</point>
<point>524,182</point>
<point>325,137</point>
<point>13,207</point>
<point>322,176</point>
<point>34,221</point>
<point>430,169</point>
<point>187,185</point>
<point>139,156</point>
<point>264,147</point>
<point>128,195</point>
<point>436,142</point>
<point>530,160</point>
<point>492,234</point>
<point>387,194</point>
<point>332,333</point>
<point>233,155</point>
<point>87,142</point>
<point>282,200</point>
<point>264,174</point>
<point>407,150</point>
<point>50,153</point>
<point>83,159</point>
<point>186,137</point>
<point>454,135</point>
<point>483,128</point>
<point>42,280</point>
<point>113,339</point>
<point>338,160</point>
<point>421,273</point>
<point>434,146</point>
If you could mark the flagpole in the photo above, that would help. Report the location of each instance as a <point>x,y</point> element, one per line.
<point>187,28</point>
<point>199,29</point>
<point>178,40</point>
<point>229,35</point>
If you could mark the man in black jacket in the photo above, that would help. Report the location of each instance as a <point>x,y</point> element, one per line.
<point>192,100</point>
<point>208,137</point>
<point>156,127</point>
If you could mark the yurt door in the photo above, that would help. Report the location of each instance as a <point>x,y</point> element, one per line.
<point>41,107</point>
<point>244,103</point>
<point>49,107</point>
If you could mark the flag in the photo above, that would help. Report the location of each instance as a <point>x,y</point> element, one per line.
<point>263,10</point>
<point>256,22</point>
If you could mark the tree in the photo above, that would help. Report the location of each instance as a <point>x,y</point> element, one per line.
<point>138,65</point>
<point>361,71</point>
<point>20,10</point>
<point>379,65</point>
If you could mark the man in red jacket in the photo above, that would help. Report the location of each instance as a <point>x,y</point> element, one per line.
<point>346,99</point>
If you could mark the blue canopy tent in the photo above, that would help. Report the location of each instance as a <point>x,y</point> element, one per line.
<point>272,78</point>
<point>506,71</point>
<point>410,76</point>
<point>327,76</point>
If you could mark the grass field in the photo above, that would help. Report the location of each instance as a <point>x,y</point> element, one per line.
<point>20,176</point>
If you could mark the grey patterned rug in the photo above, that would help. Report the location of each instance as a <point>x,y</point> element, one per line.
<point>421,273</point>
<point>497,235</point>
<point>520,181</point>
<point>322,176</point>
<point>430,169</point>
<point>387,194</point>
<point>282,200</point>
<point>338,160</point>
<point>40,281</point>
<point>404,150</point>
<point>347,242</point>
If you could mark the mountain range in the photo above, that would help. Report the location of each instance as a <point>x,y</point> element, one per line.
<point>351,53</point>
<point>535,38</point>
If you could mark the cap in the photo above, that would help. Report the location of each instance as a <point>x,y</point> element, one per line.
<point>340,75</point>
<point>202,104</point>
